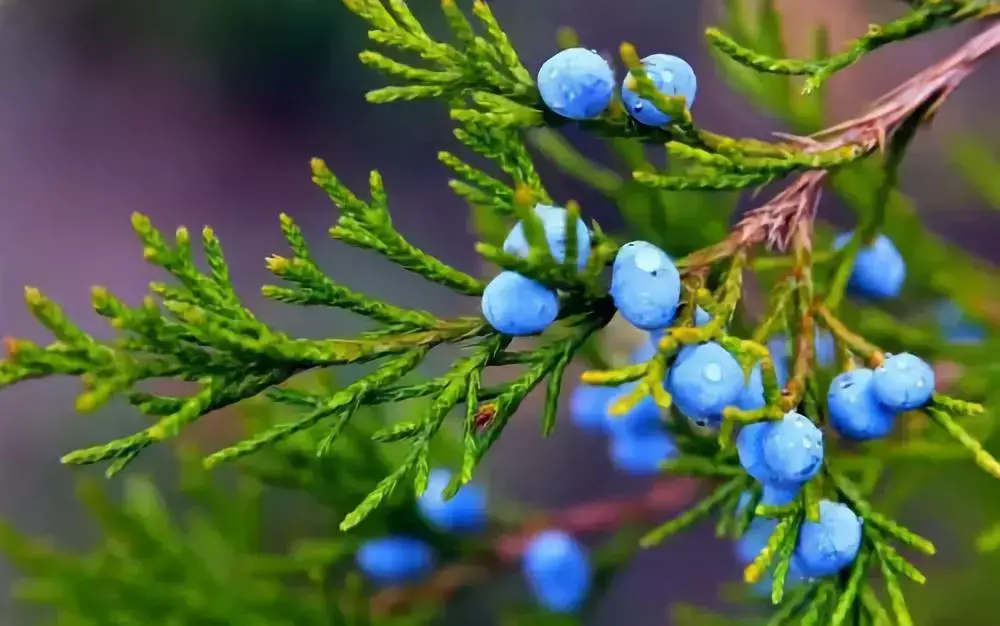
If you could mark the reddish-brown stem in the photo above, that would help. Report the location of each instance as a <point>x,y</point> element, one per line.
<point>584,519</point>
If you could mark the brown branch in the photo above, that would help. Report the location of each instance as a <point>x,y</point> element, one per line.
<point>776,222</point>
<point>590,518</point>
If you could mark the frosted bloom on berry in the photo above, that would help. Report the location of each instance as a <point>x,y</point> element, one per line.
<point>645,285</point>
<point>640,453</point>
<point>793,450</point>
<point>671,76</point>
<point>576,83</point>
<point>588,405</point>
<point>826,547</point>
<point>879,270</point>
<point>395,560</point>
<point>558,571</point>
<point>704,380</point>
<point>518,306</point>
<point>553,221</point>
<point>904,382</point>
<point>854,410</point>
<point>465,512</point>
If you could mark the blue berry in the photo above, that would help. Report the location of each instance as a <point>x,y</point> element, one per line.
<point>793,450</point>
<point>784,453</point>
<point>770,496</point>
<point>671,76</point>
<point>553,221</point>
<point>518,306</point>
<point>645,285</point>
<point>643,417</point>
<point>854,410</point>
<point>904,382</point>
<point>576,83</point>
<point>640,453</point>
<point>753,541</point>
<point>558,571</point>
<point>750,449</point>
<point>704,380</point>
<point>395,560</point>
<point>826,547</point>
<point>588,406</point>
<point>751,396</point>
<point>957,328</point>
<point>463,513</point>
<point>879,270</point>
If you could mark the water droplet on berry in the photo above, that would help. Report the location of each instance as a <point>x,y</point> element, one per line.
<point>648,260</point>
<point>713,372</point>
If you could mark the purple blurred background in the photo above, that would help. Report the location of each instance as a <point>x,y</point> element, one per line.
<point>206,112</point>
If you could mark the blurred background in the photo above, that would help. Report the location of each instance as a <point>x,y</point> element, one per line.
<point>207,112</point>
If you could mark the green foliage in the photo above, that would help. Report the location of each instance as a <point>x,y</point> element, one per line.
<point>197,330</point>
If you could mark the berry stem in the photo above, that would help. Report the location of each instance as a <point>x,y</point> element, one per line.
<point>504,550</point>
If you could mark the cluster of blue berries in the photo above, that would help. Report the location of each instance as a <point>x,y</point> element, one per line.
<point>863,403</point>
<point>783,455</point>
<point>579,84</point>
<point>518,306</point>
<point>556,567</point>
<point>703,380</point>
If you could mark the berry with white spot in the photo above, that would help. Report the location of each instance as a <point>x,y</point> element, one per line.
<point>704,380</point>
<point>645,285</point>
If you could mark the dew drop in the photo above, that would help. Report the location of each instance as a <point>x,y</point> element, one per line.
<point>638,106</point>
<point>648,260</point>
<point>712,372</point>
